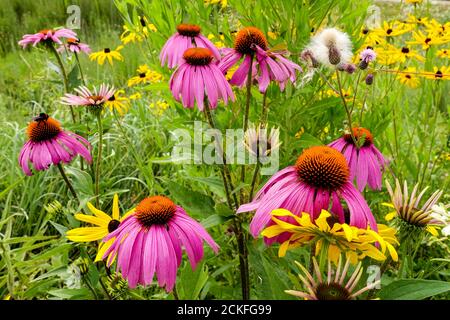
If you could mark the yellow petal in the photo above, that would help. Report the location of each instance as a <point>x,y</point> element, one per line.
<point>334,253</point>
<point>348,232</point>
<point>390,216</point>
<point>93,220</point>
<point>98,213</point>
<point>321,221</point>
<point>432,230</point>
<point>272,231</point>
<point>282,213</point>
<point>102,247</point>
<point>115,208</point>
<point>392,252</point>
<point>283,248</point>
<point>86,234</point>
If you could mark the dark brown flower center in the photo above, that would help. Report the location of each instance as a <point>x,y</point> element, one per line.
<point>427,40</point>
<point>43,128</point>
<point>322,167</point>
<point>438,74</point>
<point>389,31</point>
<point>155,210</point>
<point>142,75</point>
<point>405,50</point>
<point>142,21</point>
<point>113,225</point>
<point>247,38</point>
<point>360,133</point>
<point>107,50</point>
<point>331,291</point>
<point>198,56</point>
<point>188,30</point>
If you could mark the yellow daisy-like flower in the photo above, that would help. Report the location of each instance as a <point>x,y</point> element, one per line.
<point>145,75</point>
<point>107,53</point>
<point>393,29</point>
<point>223,3</point>
<point>347,93</point>
<point>104,224</point>
<point>118,102</point>
<point>439,73</point>
<point>136,96</point>
<point>426,40</point>
<point>391,54</point>
<point>273,35</point>
<point>406,207</point>
<point>218,43</point>
<point>336,239</point>
<point>414,1</point>
<point>438,30</point>
<point>443,53</point>
<point>138,32</point>
<point>371,37</point>
<point>159,107</point>
<point>409,77</point>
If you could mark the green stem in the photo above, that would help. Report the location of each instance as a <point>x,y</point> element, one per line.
<point>64,74</point>
<point>79,68</point>
<point>66,180</point>
<point>347,111</point>
<point>99,158</point>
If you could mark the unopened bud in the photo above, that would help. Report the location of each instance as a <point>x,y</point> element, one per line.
<point>369,79</point>
<point>334,55</point>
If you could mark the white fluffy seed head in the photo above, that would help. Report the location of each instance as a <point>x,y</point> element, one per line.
<point>329,42</point>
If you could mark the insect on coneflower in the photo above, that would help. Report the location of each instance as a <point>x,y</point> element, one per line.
<point>150,241</point>
<point>318,180</point>
<point>366,162</point>
<point>74,45</point>
<point>187,36</point>
<point>333,286</point>
<point>47,36</point>
<point>196,76</point>
<point>49,144</point>
<point>252,45</point>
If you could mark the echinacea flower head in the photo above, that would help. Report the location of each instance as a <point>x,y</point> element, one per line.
<point>47,36</point>
<point>198,77</point>
<point>319,178</point>
<point>338,284</point>
<point>49,144</point>
<point>365,161</point>
<point>74,45</point>
<point>103,224</point>
<point>145,75</point>
<point>327,234</point>
<point>118,102</point>
<point>94,100</point>
<point>407,209</point>
<point>331,47</point>
<point>150,241</point>
<point>187,36</point>
<point>107,54</point>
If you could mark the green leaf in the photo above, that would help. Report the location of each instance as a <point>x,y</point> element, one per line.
<point>413,289</point>
<point>71,293</point>
<point>193,202</point>
<point>214,220</point>
<point>72,77</point>
<point>307,140</point>
<point>191,282</point>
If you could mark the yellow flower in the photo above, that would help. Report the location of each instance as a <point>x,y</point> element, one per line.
<point>336,239</point>
<point>347,93</point>
<point>438,30</point>
<point>443,53</point>
<point>104,224</point>
<point>412,19</point>
<point>138,32</point>
<point>371,38</point>
<point>136,96</point>
<point>273,35</point>
<point>393,29</point>
<point>391,54</point>
<point>145,75</point>
<point>219,43</point>
<point>408,77</point>
<point>118,102</point>
<point>414,1</point>
<point>107,53</point>
<point>425,40</point>
<point>230,72</point>
<point>223,3</point>
<point>442,73</point>
<point>159,107</point>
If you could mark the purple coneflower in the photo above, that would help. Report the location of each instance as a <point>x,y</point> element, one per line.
<point>196,76</point>
<point>47,36</point>
<point>74,45</point>
<point>95,98</point>
<point>187,36</point>
<point>49,144</point>
<point>365,161</point>
<point>319,178</point>
<point>250,42</point>
<point>151,239</point>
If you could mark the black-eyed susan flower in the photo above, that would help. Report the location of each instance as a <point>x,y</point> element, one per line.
<point>107,54</point>
<point>443,53</point>
<point>222,3</point>
<point>118,102</point>
<point>439,73</point>
<point>393,29</point>
<point>329,235</point>
<point>145,75</point>
<point>425,40</point>
<point>409,77</point>
<point>103,224</point>
<point>406,207</point>
<point>138,31</point>
<point>336,285</point>
<point>135,96</point>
